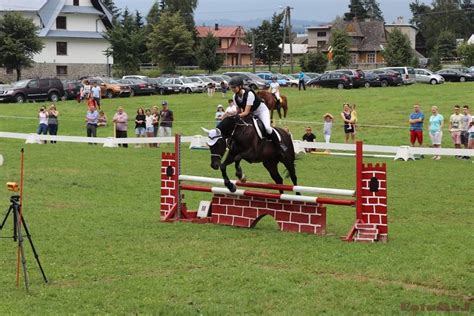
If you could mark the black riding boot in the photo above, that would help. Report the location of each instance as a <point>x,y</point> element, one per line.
<point>276,141</point>
<point>277,104</point>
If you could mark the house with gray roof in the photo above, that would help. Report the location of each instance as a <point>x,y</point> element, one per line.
<point>72,34</point>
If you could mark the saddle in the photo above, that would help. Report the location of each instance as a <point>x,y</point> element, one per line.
<point>261,131</point>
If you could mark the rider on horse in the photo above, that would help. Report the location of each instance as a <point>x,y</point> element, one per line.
<point>249,102</point>
<point>275,91</point>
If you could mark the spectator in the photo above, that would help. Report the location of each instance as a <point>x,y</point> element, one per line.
<point>301,82</point>
<point>287,129</point>
<point>231,110</point>
<point>156,118</point>
<point>211,88</point>
<point>327,129</point>
<point>466,120</point>
<point>53,121</point>
<point>166,120</point>
<point>95,91</point>
<point>471,134</point>
<point>436,129</point>
<point>354,117</point>
<point>416,126</point>
<point>43,122</point>
<point>224,88</point>
<point>120,120</point>
<point>309,137</point>
<point>86,90</point>
<point>219,114</point>
<point>346,116</point>
<point>455,125</point>
<point>92,119</point>
<point>102,119</point>
<point>91,102</point>
<point>140,124</point>
<point>149,125</point>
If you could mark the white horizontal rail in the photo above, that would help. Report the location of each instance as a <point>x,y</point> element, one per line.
<point>296,188</point>
<point>199,141</point>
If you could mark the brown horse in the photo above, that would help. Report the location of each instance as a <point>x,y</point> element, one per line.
<point>270,101</point>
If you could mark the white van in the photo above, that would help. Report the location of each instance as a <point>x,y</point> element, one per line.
<point>408,73</point>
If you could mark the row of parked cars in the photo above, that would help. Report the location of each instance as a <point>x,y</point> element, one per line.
<point>54,89</point>
<point>389,76</point>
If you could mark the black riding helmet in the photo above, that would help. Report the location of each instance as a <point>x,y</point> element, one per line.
<point>236,81</point>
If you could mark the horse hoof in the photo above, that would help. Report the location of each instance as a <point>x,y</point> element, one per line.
<point>231,187</point>
<point>243,179</point>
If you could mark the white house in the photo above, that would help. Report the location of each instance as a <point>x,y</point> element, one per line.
<point>72,33</point>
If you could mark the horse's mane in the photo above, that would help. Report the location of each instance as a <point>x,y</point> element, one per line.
<point>226,126</point>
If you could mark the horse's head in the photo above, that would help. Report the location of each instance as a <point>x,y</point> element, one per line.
<point>217,145</point>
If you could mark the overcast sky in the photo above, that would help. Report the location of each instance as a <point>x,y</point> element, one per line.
<point>242,10</point>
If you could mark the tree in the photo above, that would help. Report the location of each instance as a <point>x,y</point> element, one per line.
<point>19,42</point>
<point>170,42</point>
<point>110,5</point>
<point>153,16</point>
<point>207,55</point>
<point>185,8</point>
<point>446,44</point>
<point>372,8</point>
<point>356,10</point>
<point>268,37</point>
<point>435,64</point>
<point>128,43</point>
<point>398,51</point>
<point>314,62</point>
<point>340,46</point>
<point>466,53</point>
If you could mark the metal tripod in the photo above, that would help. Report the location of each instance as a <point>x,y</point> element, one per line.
<point>14,209</point>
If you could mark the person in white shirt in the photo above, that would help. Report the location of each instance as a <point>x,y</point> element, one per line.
<point>455,122</point>
<point>43,121</point>
<point>149,128</point>
<point>275,90</point>
<point>95,91</point>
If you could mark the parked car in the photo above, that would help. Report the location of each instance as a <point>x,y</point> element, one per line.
<point>72,88</point>
<point>426,76</point>
<point>144,78</point>
<point>388,77</point>
<point>205,81</point>
<point>268,78</point>
<point>166,88</point>
<point>139,87</point>
<point>332,80</point>
<point>109,87</point>
<point>455,75</point>
<point>33,89</point>
<point>408,73</point>
<point>186,85</point>
<point>291,81</point>
<point>250,79</point>
<point>220,78</point>
<point>357,76</point>
<point>307,76</point>
<point>372,79</point>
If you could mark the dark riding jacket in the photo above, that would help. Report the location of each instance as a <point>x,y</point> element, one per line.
<point>242,101</point>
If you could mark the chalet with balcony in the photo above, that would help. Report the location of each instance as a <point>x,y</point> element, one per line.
<point>232,43</point>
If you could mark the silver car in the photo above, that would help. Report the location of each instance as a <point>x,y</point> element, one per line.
<point>426,76</point>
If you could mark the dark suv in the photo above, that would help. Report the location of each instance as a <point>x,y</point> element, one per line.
<point>33,89</point>
<point>250,79</point>
<point>357,76</point>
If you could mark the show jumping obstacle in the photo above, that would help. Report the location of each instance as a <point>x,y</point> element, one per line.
<point>299,213</point>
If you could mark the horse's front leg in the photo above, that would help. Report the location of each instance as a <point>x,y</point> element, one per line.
<point>238,171</point>
<point>229,185</point>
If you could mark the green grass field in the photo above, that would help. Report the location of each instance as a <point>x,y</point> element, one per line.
<point>94,216</point>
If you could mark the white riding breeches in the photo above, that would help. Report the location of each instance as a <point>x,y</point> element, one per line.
<point>277,95</point>
<point>263,114</point>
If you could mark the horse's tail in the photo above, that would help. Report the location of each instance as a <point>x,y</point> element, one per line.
<point>284,105</point>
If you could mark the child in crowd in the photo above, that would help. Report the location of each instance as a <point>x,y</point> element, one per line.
<point>102,119</point>
<point>309,137</point>
<point>140,124</point>
<point>231,108</point>
<point>354,117</point>
<point>287,129</point>
<point>149,128</point>
<point>327,130</point>
<point>219,114</point>
<point>224,88</point>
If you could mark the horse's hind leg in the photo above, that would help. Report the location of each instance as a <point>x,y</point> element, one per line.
<point>272,167</point>
<point>290,166</point>
<point>239,173</point>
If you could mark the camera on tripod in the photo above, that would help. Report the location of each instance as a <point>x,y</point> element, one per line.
<point>12,186</point>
